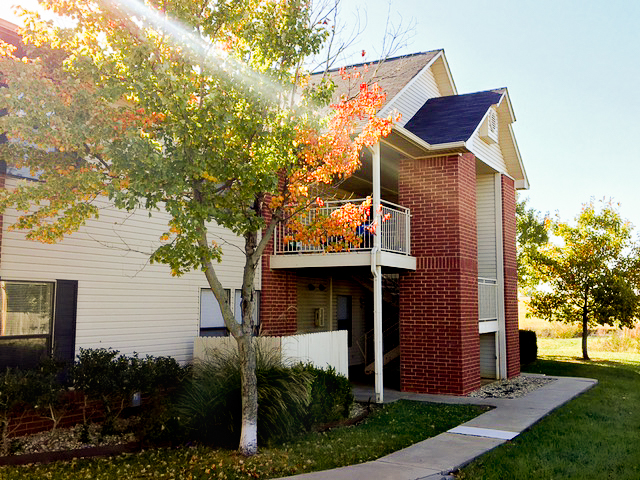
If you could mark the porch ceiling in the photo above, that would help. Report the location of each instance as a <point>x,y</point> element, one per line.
<point>361,182</point>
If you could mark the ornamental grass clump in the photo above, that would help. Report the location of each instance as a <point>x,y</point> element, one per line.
<point>211,403</point>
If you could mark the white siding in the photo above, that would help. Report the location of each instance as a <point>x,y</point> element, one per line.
<point>486,221</point>
<point>489,154</point>
<point>309,300</point>
<point>124,302</point>
<point>411,99</point>
<point>488,355</point>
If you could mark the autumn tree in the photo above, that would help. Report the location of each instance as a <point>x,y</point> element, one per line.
<point>531,235</point>
<point>590,274</point>
<point>197,108</point>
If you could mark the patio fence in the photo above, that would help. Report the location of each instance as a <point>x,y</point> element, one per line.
<point>323,349</point>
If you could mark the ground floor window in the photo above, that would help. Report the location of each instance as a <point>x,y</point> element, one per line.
<point>26,322</point>
<point>211,319</point>
<point>344,315</point>
<point>256,307</point>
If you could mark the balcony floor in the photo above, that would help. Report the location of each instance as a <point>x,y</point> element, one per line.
<point>342,259</point>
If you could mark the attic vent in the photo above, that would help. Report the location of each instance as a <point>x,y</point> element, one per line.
<point>489,129</point>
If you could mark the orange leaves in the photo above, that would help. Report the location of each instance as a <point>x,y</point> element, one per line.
<point>329,156</point>
<point>6,49</point>
<point>333,226</point>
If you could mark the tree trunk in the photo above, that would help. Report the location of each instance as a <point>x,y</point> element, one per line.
<point>585,332</point>
<point>249,385</point>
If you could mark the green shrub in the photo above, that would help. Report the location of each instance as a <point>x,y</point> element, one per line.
<point>161,375</point>
<point>12,397</point>
<point>211,403</point>
<point>331,396</point>
<point>528,347</point>
<point>112,379</point>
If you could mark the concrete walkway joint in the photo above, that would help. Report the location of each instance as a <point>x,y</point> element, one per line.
<point>436,457</point>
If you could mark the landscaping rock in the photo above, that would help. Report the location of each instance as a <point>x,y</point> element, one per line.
<point>512,388</point>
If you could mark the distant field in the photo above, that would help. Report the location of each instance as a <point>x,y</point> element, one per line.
<point>561,341</point>
<point>568,349</point>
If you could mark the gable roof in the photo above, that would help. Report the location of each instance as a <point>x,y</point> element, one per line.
<point>453,118</point>
<point>391,74</point>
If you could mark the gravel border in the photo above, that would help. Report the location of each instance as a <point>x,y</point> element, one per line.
<point>512,388</point>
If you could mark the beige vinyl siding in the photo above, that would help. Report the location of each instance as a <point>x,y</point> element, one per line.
<point>412,97</point>
<point>488,355</point>
<point>309,300</point>
<point>345,286</point>
<point>486,223</point>
<point>514,167</point>
<point>124,302</point>
<point>441,75</point>
<point>491,154</point>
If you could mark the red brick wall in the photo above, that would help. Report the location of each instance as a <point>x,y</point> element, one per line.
<point>30,421</point>
<point>510,275</point>
<point>2,186</point>
<point>278,297</point>
<point>439,338</point>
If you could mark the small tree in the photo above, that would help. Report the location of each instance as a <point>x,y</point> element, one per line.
<point>531,235</point>
<point>591,277</point>
<point>198,108</point>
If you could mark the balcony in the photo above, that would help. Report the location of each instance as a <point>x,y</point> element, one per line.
<point>487,305</point>
<point>395,240</point>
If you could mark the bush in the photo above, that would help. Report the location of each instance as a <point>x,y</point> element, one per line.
<point>112,379</point>
<point>528,347</point>
<point>211,403</point>
<point>331,396</point>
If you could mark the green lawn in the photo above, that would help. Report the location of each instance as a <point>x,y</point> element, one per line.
<point>595,436</point>
<point>391,428</point>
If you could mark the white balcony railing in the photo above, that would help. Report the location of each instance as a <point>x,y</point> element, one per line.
<point>487,299</point>
<point>395,231</point>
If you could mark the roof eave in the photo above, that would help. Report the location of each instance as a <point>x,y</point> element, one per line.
<point>426,145</point>
<point>448,70</point>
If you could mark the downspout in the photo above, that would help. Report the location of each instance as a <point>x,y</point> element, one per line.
<point>376,271</point>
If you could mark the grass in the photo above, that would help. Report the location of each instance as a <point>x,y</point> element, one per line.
<point>391,428</point>
<point>594,436</point>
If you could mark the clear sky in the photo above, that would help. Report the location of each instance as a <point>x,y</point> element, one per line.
<point>572,69</point>
<point>573,73</point>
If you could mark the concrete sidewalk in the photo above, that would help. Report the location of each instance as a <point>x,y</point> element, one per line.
<point>437,456</point>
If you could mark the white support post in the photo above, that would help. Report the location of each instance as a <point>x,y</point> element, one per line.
<point>502,327</point>
<point>377,279</point>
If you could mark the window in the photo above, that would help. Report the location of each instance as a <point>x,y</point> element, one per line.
<point>256,307</point>
<point>211,320</point>
<point>343,315</point>
<point>26,323</point>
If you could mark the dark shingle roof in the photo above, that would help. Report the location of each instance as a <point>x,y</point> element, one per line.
<point>451,119</point>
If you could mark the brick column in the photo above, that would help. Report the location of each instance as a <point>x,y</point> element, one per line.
<point>510,276</point>
<point>278,296</point>
<point>440,344</point>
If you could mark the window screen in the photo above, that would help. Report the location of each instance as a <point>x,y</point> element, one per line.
<point>256,307</point>
<point>211,320</point>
